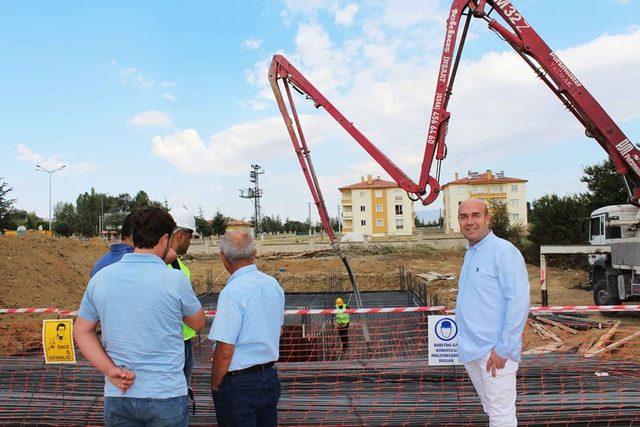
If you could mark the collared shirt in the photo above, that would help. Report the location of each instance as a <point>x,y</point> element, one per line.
<point>249,315</point>
<point>116,252</point>
<point>140,304</point>
<point>493,300</point>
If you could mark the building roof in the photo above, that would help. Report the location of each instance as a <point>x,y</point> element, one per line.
<point>488,177</point>
<point>369,183</point>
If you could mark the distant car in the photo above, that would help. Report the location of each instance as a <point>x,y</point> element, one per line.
<point>352,237</point>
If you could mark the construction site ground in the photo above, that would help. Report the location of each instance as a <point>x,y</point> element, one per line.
<point>39,271</point>
<point>565,374</point>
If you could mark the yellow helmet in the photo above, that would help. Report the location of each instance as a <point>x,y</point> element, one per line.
<point>339,301</point>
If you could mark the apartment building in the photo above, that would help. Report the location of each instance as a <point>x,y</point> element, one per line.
<point>484,186</point>
<point>376,207</point>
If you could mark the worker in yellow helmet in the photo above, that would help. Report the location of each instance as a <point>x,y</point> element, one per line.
<point>342,323</point>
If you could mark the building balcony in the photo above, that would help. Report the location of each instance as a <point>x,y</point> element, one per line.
<point>488,195</point>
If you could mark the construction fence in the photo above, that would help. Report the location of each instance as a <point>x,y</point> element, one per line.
<point>580,367</point>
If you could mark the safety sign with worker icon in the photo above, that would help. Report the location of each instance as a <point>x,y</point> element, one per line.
<point>57,341</point>
<point>443,340</point>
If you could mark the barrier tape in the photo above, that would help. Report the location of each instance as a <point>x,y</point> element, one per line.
<point>376,310</point>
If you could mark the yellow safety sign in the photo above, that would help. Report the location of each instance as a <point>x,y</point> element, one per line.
<point>57,341</point>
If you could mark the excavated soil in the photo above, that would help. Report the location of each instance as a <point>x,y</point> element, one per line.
<point>38,271</point>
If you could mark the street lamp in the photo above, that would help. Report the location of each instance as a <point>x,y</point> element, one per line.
<point>50,172</point>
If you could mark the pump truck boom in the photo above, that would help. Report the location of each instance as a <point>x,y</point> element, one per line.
<point>519,34</point>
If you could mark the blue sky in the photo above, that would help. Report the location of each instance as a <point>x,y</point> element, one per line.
<point>173,97</point>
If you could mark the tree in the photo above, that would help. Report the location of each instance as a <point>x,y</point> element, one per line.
<point>6,203</point>
<point>606,186</point>
<point>557,219</point>
<point>218,224</point>
<point>501,223</point>
<point>63,229</point>
<point>88,210</point>
<point>66,213</point>
<point>203,226</point>
<point>141,200</point>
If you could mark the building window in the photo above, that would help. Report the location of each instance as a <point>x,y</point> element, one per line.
<point>398,195</point>
<point>378,194</point>
<point>515,217</point>
<point>363,222</point>
<point>378,208</point>
<point>379,223</point>
<point>363,208</point>
<point>362,194</point>
<point>514,188</point>
<point>399,224</point>
<point>514,203</point>
<point>398,209</point>
<point>498,188</point>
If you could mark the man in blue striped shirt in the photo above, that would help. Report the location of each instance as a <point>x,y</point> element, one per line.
<point>491,312</point>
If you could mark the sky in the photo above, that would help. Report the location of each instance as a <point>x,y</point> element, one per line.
<point>173,97</point>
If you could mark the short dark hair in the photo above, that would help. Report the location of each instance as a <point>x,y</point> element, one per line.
<point>61,325</point>
<point>127,226</point>
<point>149,225</point>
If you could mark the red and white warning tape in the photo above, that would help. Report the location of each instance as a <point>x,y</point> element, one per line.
<point>377,310</point>
<point>584,308</point>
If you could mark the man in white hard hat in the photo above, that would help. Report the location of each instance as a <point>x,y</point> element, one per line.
<point>180,241</point>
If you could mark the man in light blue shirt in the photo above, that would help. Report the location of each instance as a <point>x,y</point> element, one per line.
<point>140,304</point>
<point>491,312</point>
<point>246,329</point>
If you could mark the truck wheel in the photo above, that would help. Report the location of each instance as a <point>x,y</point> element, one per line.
<point>601,295</point>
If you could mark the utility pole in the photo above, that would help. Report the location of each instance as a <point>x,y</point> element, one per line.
<point>50,172</point>
<point>254,193</point>
<point>339,220</point>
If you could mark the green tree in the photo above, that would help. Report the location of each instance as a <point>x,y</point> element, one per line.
<point>62,229</point>
<point>606,186</point>
<point>65,212</point>
<point>88,210</point>
<point>203,227</point>
<point>501,223</point>
<point>218,224</point>
<point>141,200</point>
<point>557,219</point>
<point>6,203</point>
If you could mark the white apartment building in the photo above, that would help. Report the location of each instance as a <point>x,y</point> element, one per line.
<point>484,186</point>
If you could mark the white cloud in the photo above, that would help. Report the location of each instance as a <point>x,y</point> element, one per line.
<point>132,76</point>
<point>54,162</point>
<point>229,151</point>
<point>252,43</point>
<point>168,96</point>
<point>345,15</point>
<point>151,118</point>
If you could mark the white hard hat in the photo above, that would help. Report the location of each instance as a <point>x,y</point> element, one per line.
<point>184,218</point>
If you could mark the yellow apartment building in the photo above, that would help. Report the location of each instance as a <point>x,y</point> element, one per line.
<point>484,186</point>
<point>376,207</point>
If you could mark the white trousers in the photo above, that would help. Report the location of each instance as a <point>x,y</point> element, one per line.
<point>498,395</point>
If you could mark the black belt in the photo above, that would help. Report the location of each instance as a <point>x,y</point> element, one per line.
<point>251,369</point>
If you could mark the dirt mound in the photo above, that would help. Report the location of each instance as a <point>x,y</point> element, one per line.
<point>40,271</point>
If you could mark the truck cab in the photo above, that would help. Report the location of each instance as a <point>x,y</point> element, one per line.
<point>615,275</point>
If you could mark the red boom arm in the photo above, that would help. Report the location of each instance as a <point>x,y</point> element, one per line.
<point>525,41</point>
